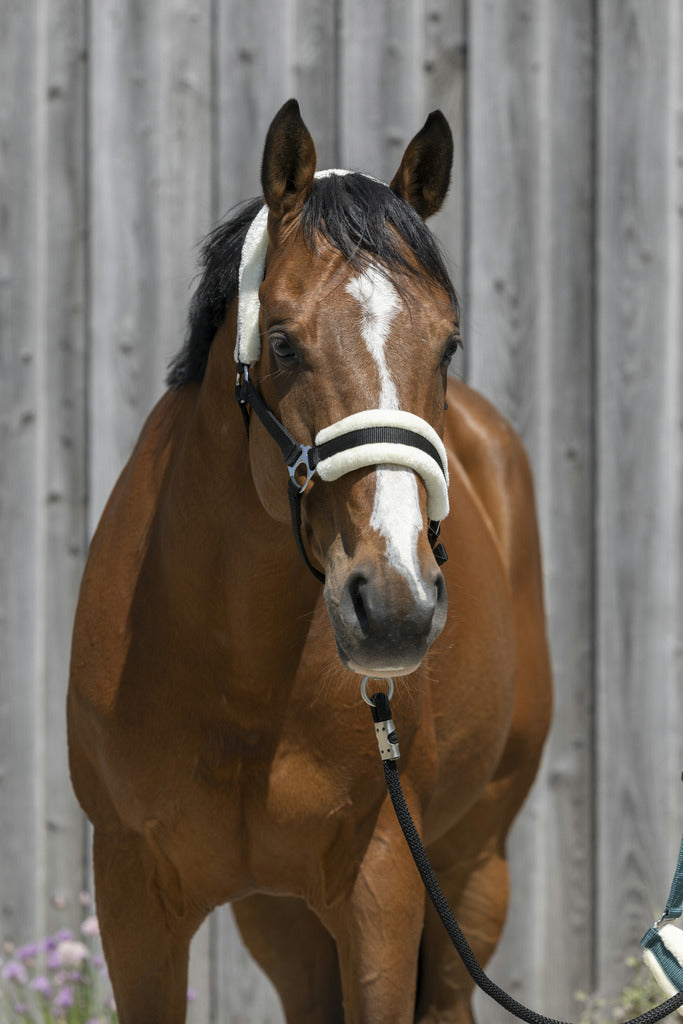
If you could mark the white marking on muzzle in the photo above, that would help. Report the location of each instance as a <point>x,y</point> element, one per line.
<point>396,513</point>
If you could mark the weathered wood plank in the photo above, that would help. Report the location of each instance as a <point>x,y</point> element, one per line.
<point>639,451</point>
<point>242,994</point>
<point>381,102</point>
<point>530,350</point>
<point>43,476</point>
<point>64,403</point>
<point>150,197</point>
<point>255,74</point>
<point>22,466</point>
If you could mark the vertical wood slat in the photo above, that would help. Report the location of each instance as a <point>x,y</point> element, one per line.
<point>42,472</point>
<point>639,451</point>
<point>64,404</point>
<point>22,178</point>
<point>529,339</point>
<point>150,199</point>
<point>161,167</point>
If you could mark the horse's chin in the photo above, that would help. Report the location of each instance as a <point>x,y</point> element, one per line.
<point>364,665</point>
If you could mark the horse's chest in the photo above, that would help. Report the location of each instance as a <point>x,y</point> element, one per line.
<point>286,807</point>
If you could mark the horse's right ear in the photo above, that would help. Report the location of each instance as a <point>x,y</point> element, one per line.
<point>289,160</point>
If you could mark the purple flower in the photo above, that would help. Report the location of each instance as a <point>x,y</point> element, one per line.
<point>64,999</point>
<point>53,961</point>
<point>14,970</point>
<point>27,952</point>
<point>41,985</point>
<point>191,995</point>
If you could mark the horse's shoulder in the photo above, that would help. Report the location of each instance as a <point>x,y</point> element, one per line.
<point>496,464</point>
<point>119,546</point>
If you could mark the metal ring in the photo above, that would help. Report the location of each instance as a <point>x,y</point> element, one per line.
<point>364,689</point>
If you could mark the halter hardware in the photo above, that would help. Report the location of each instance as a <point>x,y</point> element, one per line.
<point>303,461</point>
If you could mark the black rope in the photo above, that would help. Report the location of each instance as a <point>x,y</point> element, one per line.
<point>463,948</point>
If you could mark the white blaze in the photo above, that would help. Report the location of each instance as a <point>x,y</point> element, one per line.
<point>396,513</point>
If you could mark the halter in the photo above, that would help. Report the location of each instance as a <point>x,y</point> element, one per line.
<point>370,438</point>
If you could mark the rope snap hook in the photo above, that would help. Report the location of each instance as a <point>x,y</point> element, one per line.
<point>385,730</point>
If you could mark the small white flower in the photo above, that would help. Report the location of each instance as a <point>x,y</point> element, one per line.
<point>71,954</point>
<point>90,926</point>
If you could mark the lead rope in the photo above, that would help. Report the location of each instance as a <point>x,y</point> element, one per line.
<point>387,741</point>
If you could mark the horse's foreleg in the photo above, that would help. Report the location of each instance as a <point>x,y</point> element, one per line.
<point>470,865</point>
<point>300,957</point>
<point>146,944</point>
<point>378,930</point>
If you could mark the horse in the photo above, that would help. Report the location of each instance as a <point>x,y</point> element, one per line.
<point>268,543</point>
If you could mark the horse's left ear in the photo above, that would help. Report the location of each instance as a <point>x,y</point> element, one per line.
<point>425,171</point>
<point>289,160</point>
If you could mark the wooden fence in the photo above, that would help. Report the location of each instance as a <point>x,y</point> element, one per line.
<point>127,128</point>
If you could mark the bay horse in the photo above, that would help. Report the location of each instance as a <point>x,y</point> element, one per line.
<point>218,742</point>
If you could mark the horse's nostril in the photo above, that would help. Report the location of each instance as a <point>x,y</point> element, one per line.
<point>356,586</point>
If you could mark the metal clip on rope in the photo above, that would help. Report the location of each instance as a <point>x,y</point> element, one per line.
<point>385,730</point>
<point>387,739</point>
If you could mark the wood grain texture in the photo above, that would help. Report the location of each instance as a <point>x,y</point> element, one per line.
<point>22,465</point>
<point>64,416</point>
<point>639,455</point>
<point>150,201</point>
<point>126,130</point>
<point>43,471</point>
<point>529,341</point>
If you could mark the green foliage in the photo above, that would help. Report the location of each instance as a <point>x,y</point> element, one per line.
<point>640,994</point>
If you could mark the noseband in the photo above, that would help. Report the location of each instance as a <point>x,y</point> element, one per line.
<point>345,446</point>
<point>370,438</point>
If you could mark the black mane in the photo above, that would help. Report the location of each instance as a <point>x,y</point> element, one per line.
<point>355,214</point>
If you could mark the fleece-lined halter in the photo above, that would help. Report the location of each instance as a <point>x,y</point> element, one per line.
<point>370,438</point>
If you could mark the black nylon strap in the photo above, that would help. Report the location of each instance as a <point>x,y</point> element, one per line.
<point>374,435</point>
<point>463,948</point>
<point>294,495</point>
<point>248,395</point>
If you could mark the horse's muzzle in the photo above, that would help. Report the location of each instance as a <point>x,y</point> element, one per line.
<point>382,626</point>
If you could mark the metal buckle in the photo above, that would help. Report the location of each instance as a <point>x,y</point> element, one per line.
<point>241,382</point>
<point>302,462</point>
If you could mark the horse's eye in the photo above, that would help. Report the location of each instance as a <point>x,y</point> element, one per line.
<point>448,353</point>
<point>282,348</point>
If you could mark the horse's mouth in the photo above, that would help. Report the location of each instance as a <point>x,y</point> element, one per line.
<point>376,671</point>
<point>383,657</point>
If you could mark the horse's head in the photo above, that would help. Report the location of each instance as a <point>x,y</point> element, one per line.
<point>357,317</point>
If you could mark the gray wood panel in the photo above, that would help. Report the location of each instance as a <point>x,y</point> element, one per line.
<point>42,451</point>
<point>529,344</point>
<point>639,456</point>
<point>150,187</point>
<point>126,131</point>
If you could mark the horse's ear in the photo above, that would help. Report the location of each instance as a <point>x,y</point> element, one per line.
<point>289,161</point>
<point>425,171</point>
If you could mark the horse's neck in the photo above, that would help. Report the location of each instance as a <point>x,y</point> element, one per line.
<point>228,566</point>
